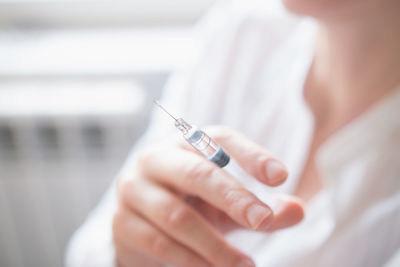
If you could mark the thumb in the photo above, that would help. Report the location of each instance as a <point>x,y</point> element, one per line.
<point>289,211</point>
<point>259,163</point>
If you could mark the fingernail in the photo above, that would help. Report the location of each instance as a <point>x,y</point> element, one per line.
<point>276,172</point>
<point>256,214</point>
<point>245,263</point>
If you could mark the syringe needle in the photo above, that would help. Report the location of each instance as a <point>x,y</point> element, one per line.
<point>199,140</point>
<point>160,106</point>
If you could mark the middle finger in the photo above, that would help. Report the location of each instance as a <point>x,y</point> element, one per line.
<point>193,174</point>
<point>182,223</point>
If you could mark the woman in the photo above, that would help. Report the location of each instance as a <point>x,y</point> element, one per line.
<point>317,104</point>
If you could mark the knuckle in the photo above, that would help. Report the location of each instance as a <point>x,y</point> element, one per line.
<point>119,215</point>
<point>178,217</point>
<point>120,226</point>
<point>144,157</point>
<point>231,197</point>
<point>199,169</point>
<point>117,220</point>
<point>125,189</point>
<point>220,132</point>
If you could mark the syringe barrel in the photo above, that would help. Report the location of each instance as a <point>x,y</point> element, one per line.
<point>203,143</point>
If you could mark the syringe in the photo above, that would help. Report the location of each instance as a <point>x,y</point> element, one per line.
<point>200,140</point>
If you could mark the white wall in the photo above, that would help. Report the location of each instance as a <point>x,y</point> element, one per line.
<point>37,13</point>
<point>51,175</point>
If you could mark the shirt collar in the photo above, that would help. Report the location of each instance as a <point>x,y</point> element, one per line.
<point>368,131</point>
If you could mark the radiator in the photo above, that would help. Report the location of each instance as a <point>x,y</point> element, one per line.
<point>56,159</point>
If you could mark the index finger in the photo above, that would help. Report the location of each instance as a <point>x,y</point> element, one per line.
<point>253,158</point>
<point>190,173</point>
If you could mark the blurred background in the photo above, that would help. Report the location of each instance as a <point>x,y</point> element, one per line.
<point>76,81</point>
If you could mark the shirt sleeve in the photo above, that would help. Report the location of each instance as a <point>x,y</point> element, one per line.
<point>91,244</point>
<point>394,260</point>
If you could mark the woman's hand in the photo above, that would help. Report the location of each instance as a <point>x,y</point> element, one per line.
<point>175,205</point>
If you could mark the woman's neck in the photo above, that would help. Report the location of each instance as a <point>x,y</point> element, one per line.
<point>356,63</point>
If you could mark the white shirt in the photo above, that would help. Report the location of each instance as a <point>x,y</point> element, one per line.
<point>250,76</point>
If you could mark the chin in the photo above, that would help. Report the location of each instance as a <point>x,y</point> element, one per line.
<point>302,7</point>
<point>314,8</point>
